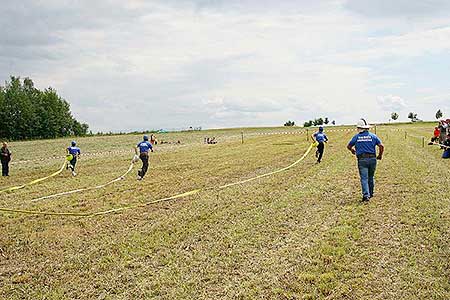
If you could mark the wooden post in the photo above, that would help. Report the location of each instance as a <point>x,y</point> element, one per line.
<point>242,135</point>
<point>405,135</point>
<point>375,129</point>
<point>423,142</point>
<point>307,135</point>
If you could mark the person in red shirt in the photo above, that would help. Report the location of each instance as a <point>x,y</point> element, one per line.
<point>436,134</point>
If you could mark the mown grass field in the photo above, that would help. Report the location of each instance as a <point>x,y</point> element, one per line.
<point>299,234</point>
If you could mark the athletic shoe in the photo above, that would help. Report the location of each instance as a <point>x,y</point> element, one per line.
<point>74,174</point>
<point>139,178</point>
<point>365,199</point>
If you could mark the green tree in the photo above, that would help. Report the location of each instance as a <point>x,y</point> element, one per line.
<point>439,114</point>
<point>412,116</point>
<point>308,123</point>
<point>394,116</point>
<point>26,112</point>
<point>318,121</point>
<point>289,123</point>
<point>326,121</point>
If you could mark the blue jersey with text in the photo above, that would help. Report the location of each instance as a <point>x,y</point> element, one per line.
<point>365,142</point>
<point>320,137</point>
<point>144,146</point>
<point>74,150</point>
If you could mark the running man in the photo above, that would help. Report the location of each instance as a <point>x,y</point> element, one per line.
<point>144,147</point>
<point>74,152</point>
<point>321,138</point>
<point>5,157</point>
<point>363,145</point>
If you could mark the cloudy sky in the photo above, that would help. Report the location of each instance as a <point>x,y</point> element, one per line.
<point>132,65</point>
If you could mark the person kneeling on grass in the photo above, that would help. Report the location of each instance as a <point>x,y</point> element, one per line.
<point>73,152</point>
<point>144,147</point>
<point>446,146</point>
<point>435,137</point>
<point>363,145</point>
<point>321,138</point>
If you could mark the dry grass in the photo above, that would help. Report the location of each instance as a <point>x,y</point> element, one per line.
<point>300,234</point>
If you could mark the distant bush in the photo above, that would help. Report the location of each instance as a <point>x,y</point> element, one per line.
<point>289,123</point>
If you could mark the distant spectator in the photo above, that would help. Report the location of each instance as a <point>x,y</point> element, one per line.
<point>5,156</point>
<point>443,131</point>
<point>446,147</point>
<point>212,140</point>
<point>153,140</point>
<point>435,137</point>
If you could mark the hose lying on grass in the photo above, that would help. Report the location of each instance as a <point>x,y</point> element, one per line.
<point>34,181</point>
<point>177,196</point>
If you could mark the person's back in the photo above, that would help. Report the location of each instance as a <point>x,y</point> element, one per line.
<point>320,137</point>
<point>144,146</point>
<point>436,132</point>
<point>365,142</point>
<point>74,150</point>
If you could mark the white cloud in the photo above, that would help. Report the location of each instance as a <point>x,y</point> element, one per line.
<point>153,64</point>
<point>391,103</point>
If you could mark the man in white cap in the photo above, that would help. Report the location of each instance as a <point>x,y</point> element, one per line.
<point>363,145</point>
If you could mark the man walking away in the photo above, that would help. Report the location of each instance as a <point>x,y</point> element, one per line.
<point>321,138</point>
<point>144,147</point>
<point>363,145</point>
<point>5,157</point>
<point>74,152</point>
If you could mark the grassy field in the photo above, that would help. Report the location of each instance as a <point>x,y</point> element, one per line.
<point>299,234</point>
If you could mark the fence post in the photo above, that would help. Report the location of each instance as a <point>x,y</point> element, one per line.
<point>423,142</point>
<point>242,135</point>
<point>375,129</point>
<point>405,135</point>
<point>307,134</point>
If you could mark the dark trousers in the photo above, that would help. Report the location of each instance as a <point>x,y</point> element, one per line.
<point>319,152</point>
<point>73,162</point>
<point>367,167</point>
<point>5,168</point>
<point>144,157</point>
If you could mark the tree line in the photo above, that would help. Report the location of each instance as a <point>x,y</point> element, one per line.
<point>29,113</point>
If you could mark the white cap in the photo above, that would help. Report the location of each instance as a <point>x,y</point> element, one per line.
<point>362,124</point>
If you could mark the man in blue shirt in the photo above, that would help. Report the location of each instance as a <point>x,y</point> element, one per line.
<point>363,145</point>
<point>73,152</point>
<point>144,147</point>
<point>321,138</point>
